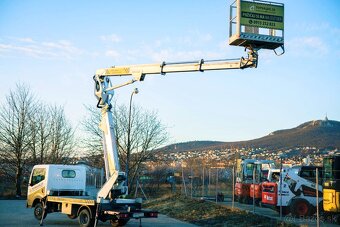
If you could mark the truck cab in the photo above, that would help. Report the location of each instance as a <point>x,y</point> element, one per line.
<point>55,180</point>
<point>244,178</point>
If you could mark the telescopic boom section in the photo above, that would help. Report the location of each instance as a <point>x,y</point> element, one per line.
<point>139,71</point>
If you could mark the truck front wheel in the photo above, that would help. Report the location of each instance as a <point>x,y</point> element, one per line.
<point>39,210</point>
<point>85,219</point>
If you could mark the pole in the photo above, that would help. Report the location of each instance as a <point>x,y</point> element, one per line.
<point>280,188</point>
<point>209,183</point>
<point>254,189</point>
<point>216,184</point>
<point>128,150</point>
<point>136,190</point>
<point>191,181</point>
<point>233,186</point>
<point>317,197</point>
<point>183,180</point>
<point>203,183</point>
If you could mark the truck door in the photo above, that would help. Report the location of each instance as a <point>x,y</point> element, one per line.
<point>36,185</point>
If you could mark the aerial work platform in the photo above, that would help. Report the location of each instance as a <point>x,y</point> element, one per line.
<point>256,24</point>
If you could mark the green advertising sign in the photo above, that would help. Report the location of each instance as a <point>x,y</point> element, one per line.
<point>261,15</point>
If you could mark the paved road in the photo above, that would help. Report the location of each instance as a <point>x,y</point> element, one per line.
<point>14,213</point>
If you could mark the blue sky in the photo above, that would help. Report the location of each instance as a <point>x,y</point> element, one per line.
<point>56,46</point>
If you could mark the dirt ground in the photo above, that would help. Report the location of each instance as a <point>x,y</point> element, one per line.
<point>204,213</point>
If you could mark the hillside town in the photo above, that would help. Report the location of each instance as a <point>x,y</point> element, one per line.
<point>226,157</point>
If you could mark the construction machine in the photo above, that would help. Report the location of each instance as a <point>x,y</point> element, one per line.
<point>244,178</point>
<point>331,186</point>
<point>250,173</point>
<point>297,193</point>
<point>261,174</point>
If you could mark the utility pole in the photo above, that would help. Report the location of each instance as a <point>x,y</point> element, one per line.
<point>128,152</point>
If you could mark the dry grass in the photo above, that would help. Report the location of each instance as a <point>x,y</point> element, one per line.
<point>205,213</point>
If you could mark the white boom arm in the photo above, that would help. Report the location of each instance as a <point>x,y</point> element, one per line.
<point>104,92</point>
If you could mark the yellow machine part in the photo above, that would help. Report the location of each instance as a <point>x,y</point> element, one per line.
<point>331,200</point>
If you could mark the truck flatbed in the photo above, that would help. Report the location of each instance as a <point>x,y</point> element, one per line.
<point>81,200</point>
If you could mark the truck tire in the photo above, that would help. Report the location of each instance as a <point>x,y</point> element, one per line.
<point>85,219</point>
<point>300,208</point>
<point>38,211</point>
<point>119,222</point>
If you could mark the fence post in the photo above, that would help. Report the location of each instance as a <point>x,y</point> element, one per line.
<point>191,181</point>
<point>216,184</point>
<point>183,180</point>
<point>209,183</point>
<point>280,187</point>
<point>254,189</point>
<point>203,183</point>
<point>233,188</point>
<point>317,198</point>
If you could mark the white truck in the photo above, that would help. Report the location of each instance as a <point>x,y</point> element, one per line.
<point>62,188</point>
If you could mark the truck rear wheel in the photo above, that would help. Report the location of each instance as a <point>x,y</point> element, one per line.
<point>39,210</point>
<point>85,219</point>
<point>119,222</point>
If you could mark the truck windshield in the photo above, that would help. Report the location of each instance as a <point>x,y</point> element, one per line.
<point>38,175</point>
<point>248,171</point>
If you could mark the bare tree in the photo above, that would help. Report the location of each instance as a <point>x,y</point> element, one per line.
<point>15,114</point>
<point>62,140</point>
<point>147,134</point>
<point>40,125</point>
<point>93,135</point>
<point>51,136</point>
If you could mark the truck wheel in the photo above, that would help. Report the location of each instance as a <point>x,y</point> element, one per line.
<point>119,222</point>
<point>38,211</point>
<point>300,208</point>
<point>85,219</point>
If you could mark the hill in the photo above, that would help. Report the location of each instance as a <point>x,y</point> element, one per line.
<point>319,134</point>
